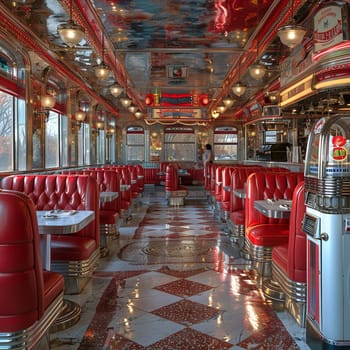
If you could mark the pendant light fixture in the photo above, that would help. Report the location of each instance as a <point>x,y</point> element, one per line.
<point>125,100</point>
<point>292,34</point>
<point>102,71</point>
<point>257,70</point>
<point>71,33</point>
<point>228,102</point>
<point>239,89</point>
<point>115,89</point>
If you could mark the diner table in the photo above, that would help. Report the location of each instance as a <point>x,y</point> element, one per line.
<point>240,193</point>
<point>60,222</point>
<point>108,196</point>
<point>277,209</point>
<point>124,187</point>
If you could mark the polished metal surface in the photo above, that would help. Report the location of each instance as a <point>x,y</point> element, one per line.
<point>147,43</point>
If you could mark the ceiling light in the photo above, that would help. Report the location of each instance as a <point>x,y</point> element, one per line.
<point>239,89</point>
<point>257,71</point>
<point>132,109</point>
<point>138,114</point>
<point>80,116</point>
<point>70,33</point>
<point>228,101</point>
<point>115,90</point>
<point>221,109</point>
<point>47,101</point>
<point>102,71</point>
<point>291,35</point>
<point>126,102</point>
<point>100,124</point>
<point>215,114</point>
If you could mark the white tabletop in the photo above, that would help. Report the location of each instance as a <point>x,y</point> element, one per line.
<point>240,192</point>
<point>124,187</point>
<point>277,209</point>
<point>63,221</point>
<point>108,196</point>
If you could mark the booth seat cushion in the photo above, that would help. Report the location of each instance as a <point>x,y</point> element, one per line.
<point>280,256</point>
<point>75,248</point>
<point>268,235</point>
<point>237,217</point>
<point>108,217</point>
<point>54,285</point>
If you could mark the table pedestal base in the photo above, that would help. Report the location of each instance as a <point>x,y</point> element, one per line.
<point>69,316</point>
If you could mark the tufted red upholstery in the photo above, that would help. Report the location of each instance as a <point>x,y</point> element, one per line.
<point>107,181</point>
<point>65,192</point>
<point>291,257</point>
<point>261,185</point>
<point>26,291</point>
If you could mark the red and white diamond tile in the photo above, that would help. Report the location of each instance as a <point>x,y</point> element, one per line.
<point>176,282</point>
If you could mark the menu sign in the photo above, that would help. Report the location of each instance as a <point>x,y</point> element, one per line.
<point>330,27</point>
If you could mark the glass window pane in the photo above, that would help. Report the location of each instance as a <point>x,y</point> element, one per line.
<point>135,140</point>
<point>100,141</point>
<point>6,131</point>
<point>21,136</point>
<point>180,152</point>
<point>179,144</point>
<point>64,140</point>
<point>52,141</point>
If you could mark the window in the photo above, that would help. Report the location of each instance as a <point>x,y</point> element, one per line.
<point>84,144</point>
<point>64,140</point>
<point>101,149</point>
<point>179,144</point>
<point>6,131</point>
<point>52,140</point>
<point>135,142</point>
<point>225,143</point>
<point>21,136</point>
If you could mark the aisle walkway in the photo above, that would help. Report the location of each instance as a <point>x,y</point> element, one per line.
<point>175,281</point>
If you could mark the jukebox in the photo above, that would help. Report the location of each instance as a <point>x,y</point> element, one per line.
<point>327,226</point>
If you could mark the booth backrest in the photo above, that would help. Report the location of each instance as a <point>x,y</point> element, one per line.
<point>66,192</point>
<point>268,185</point>
<point>107,181</point>
<point>226,182</point>
<point>171,178</point>
<point>239,178</point>
<point>21,275</point>
<point>297,238</point>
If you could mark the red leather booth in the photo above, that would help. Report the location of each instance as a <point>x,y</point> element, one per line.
<point>107,181</point>
<point>75,256</point>
<point>289,261</point>
<point>263,233</point>
<point>175,193</point>
<point>31,298</point>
